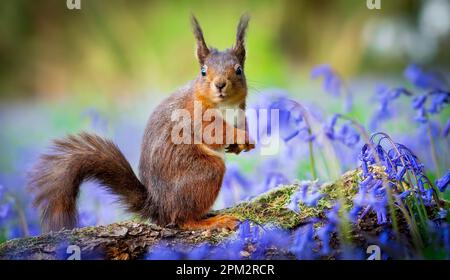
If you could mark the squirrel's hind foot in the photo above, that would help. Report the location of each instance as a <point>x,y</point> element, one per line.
<point>217,222</point>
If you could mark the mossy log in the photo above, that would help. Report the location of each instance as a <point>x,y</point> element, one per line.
<point>133,240</point>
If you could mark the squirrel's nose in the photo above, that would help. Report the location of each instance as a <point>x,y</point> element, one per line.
<point>220,85</point>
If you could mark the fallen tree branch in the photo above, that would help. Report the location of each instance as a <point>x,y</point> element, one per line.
<point>133,240</point>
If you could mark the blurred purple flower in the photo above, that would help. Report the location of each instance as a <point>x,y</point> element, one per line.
<point>446,129</point>
<point>419,101</point>
<point>332,83</point>
<point>346,134</point>
<point>246,232</point>
<point>274,179</point>
<point>439,99</point>
<point>330,226</point>
<point>86,219</point>
<point>303,243</point>
<point>230,250</point>
<point>292,122</point>
<point>385,97</point>
<point>442,214</point>
<point>308,194</point>
<point>163,252</point>
<point>5,206</point>
<point>443,182</point>
<point>403,195</point>
<point>200,252</point>
<point>275,238</point>
<point>423,79</point>
<point>4,210</point>
<point>97,121</point>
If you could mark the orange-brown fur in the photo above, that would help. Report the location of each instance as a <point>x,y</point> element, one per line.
<point>178,183</point>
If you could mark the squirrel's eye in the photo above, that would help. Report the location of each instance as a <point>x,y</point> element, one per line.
<point>238,70</point>
<point>203,70</point>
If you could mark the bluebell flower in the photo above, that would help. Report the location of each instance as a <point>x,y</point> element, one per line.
<point>408,157</point>
<point>403,195</point>
<point>274,179</point>
<point>400,174</point>
<point>329,128</point>
<point>385,97</point>
<point>308,194</point>
<point>443,182</point>
<point>332,83</point>
<point>423,79</point>
<point>163,252</point>
<point>292,122</point>
<point>86,219</point>
<point>4,210</point>
<point>371,196</point>
<point>446,129</point>
<point>234,176</point>
<point>303,243</point>
<point>246,232</point>
<point>233,181</point>
<point>275,238</point>
<point>441,214</point>
<point>200,252</point>
<point>419,101</point>
<point>346,134</point>
<point>331,226</point>
<point>398,160</point>
<point>230,250</point>
<point>5,206</point>
<point>439,99</point>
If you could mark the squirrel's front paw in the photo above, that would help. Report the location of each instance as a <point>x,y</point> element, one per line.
<point>238,148</point>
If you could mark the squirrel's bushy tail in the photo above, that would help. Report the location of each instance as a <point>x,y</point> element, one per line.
<point>57,177</point>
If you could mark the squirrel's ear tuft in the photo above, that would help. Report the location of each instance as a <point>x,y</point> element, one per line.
<point>239,47</point>
<point>202,49</point>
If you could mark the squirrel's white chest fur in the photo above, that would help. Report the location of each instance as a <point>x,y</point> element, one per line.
<point>229,112</point>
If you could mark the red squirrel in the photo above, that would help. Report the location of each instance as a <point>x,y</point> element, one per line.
<point>178,183</point>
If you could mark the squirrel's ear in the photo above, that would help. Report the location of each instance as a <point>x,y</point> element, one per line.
<point>202,49</point>
<point>239,47</point>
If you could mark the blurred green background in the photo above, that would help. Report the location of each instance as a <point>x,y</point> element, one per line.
<point>121,48</point>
